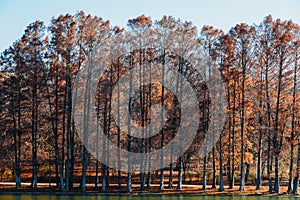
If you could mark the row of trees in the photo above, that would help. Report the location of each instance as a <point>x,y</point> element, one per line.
<point>259,68</point>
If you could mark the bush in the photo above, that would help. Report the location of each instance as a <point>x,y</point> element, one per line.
<point>210,175</point>
<point>44,171</point>
<point>236,176</point>
<point>7,173</point>
<point>252,177</point>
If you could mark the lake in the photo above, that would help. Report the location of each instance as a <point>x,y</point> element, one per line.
<point>163,197</point>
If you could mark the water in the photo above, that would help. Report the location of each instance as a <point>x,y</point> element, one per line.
<point>163,197</point>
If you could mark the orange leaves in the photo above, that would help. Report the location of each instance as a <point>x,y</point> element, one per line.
<point>248,104</point>
<point>118,30</point>
<point>294,141</point>
<point>168,22</point>
<point>210,31</point>
<point>248,157</point>
<point>91,32</point>
<point>287,37</point>
<point>243,31</point>
<point>2,76</point>
<point>63,29</point>
<point>62,82</point>
<point>140,21</point>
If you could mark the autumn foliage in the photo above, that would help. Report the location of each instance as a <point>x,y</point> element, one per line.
<point>260,140</point>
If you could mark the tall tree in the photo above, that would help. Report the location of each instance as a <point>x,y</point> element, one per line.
<point>266,61</point>
<point>32,51</point>
<point>244,49</point>
<point>283,37</point>
<point>295,107</point>
<point>186,44</point>
<point>165,30</point>
<point>93,33</point>
<point>141,29</point>
<point>12,62</point>
<point>63,44</point>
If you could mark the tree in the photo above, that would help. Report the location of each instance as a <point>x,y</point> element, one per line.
<point>283,37</point>
<point>294,121</point>
<point>38,94</point>
<point>11,88</point>
<point>186,44</point>
<point>93,33</point>
<point>244,52</point>
<point>210,38</point>
<point>265,60</point>
<point>140,28</point>
<point>65,64</point>
<point>32,52</point>
<point>165,31</point>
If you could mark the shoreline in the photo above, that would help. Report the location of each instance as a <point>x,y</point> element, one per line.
<point>141,194</point>
<point>190,190</point>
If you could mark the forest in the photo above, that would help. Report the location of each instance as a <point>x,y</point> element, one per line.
<point>258,144</point>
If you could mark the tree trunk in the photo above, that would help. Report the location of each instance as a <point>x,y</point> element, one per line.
<point>161,182</point>
<point>104,153</point>
<point>179,184</point>
<point>109,124</point>
<point>97,146</point>
<point>69,124</point>
<point>205,127</point>
<point>142,112</point>
<point>269,158</point>
<point>258,167</point>
<point>214,180</point>
<point>171,176</point>
<point>16,150</point>
<point>128,185</point>
<point>242,172</point>
<point>18,140</point>
<point>57,163</point>
<point>119,128</point>
<point>296,179</point>
<point>276,128</point>
<point>204,172</point>
<point>221,187</point>
<point>87,107</point>
<point>229,134</point>
<point>290,186</point>
<point>34,130</point>
<point>231,185</point>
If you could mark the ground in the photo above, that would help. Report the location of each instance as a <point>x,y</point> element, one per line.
<point>187,189</point>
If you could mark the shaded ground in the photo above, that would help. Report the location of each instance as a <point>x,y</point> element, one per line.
<point>193,185</point>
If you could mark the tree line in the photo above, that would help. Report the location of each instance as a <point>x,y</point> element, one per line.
<point>260,73</point>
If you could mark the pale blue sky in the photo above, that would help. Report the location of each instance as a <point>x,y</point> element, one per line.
<point>15,15</point>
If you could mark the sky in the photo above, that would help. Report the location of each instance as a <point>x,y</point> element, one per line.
<point>15,15</point>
